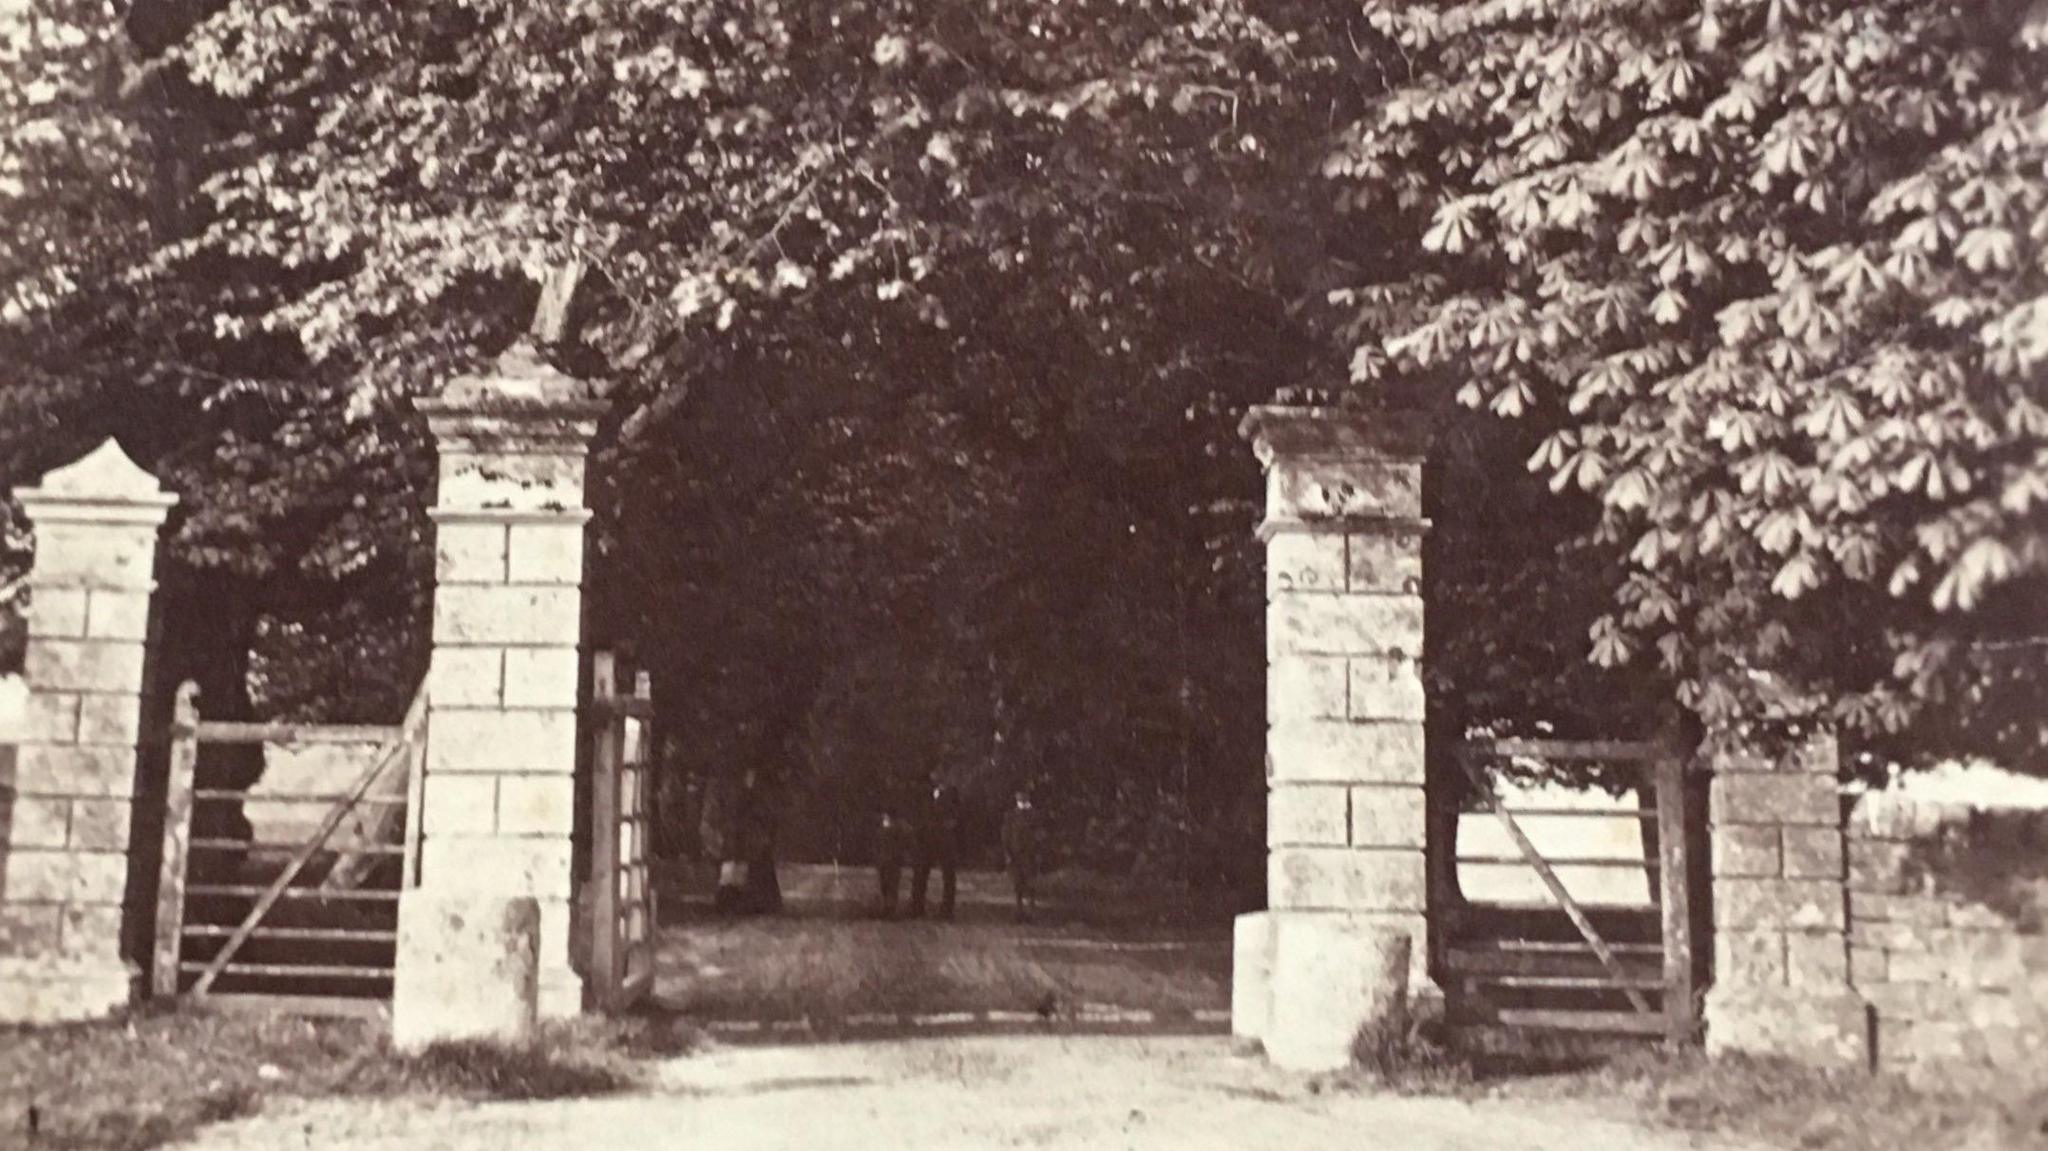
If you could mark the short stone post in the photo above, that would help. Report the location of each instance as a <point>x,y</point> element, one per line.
<point>1781,948</point>
<point>64,845</point>
<point>1345,826</point>
<point>497,795</point>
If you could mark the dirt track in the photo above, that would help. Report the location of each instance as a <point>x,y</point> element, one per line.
<point>1182,1094</point>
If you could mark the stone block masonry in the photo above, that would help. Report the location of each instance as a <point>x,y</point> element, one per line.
<point>1345,822</point>
<point>1907,937</point>
<point>1946,936</point>
<point>498,785</point>
<point>66,800</point>
<point>1781,950</point>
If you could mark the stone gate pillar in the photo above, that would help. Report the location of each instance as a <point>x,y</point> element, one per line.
<point>64,828</point>
<point>1345,827</point>
<point>1781,902</point>
<point>497,796</point>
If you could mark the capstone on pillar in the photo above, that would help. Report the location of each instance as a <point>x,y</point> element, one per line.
<point>1346,825</point>
<point>66,811</point>
<point>498,788</point>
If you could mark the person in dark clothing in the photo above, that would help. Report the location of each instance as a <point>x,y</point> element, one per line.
<point>1020,852</point>
<point>895,841</point>
<point>762,891</point>
<point>938,845</point>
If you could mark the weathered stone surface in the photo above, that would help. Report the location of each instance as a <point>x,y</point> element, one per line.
<point>1387,560</point>
<point>1321,490</point>
<point>58,611</point>
<point>1917,965</point>
<point>1752,850</point>
<point>1388,816</point>
<point>469,551</point>
<point>1306,687</point>
<point>1816,959</point>
<point>66,876</point>
<point>1308,815</point>
<point>1304,561</point>
<point>118,614</point>
<point>1813,853</point>
<point>536,804</point>
<point>110,719</point>
<point>548,552</point>
<point>1333,976</point>
<point>39,821</point>
<point>1750,958</point>
<point>1387,687</point>
<point>29,930</point>
<point>50,717</point>
<point>83,665</point>
<point>1331,752</point>
<point>1868,966</point>
<point>1918,910</point>
<point>513,614</point>
<point>1740,797</point>
<point>1877,865</point>
<point>541,676</point>
<point>1786,904</point>
<point>57,769</point>
<point>93,555</point>
<point>1977,916</point>
<point>1821,1029</point>
<point>40,991</point>
<point>466,676</point>
<point>1894,937</point>
<point>496,865</point>
<point>502,741</point>
<point>499,481</point>
<point>1343,625</point>
<point>1344,879</point>
<point>467,969</point>
<point>100,824</point>
<point>458,804</point>
<point>92,931</point>
<point>1251,975</point>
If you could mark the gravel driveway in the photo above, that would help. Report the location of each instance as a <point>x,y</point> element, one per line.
<point>1173,1094</point>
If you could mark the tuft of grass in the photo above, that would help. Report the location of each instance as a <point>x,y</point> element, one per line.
<point>1779,1103</point>
<point>1407,1056</point>
<point>154,1076</point>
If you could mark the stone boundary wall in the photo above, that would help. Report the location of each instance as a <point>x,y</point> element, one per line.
<point>1946,936</point>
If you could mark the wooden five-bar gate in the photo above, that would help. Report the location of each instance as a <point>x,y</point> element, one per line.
<point>620,968</point>
<point>1573,964</point>
<point>284,890</point>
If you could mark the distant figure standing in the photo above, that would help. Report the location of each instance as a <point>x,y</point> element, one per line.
<point>895,843</point>
<point>1020,852</point>
<point>758,816</point>
<point>938,844</point>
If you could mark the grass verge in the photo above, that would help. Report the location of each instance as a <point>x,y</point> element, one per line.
<point>1765,1102</point>
<point>151,1077</point>
<point>1776,1103</point>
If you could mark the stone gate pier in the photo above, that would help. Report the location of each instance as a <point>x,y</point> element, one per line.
<point>67,810</point>
<point>497,792</point>
<point>1343,943</point>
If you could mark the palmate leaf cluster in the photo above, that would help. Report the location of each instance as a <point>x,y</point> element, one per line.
<point>713,166</point>
<point>1768,277</point>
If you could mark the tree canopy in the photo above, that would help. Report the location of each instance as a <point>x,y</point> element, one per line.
<point>1767,276</point>
<point>926,323</point>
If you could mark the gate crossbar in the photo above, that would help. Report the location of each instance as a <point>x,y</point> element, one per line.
<point>400,749</point>
<point>1564,898</point>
